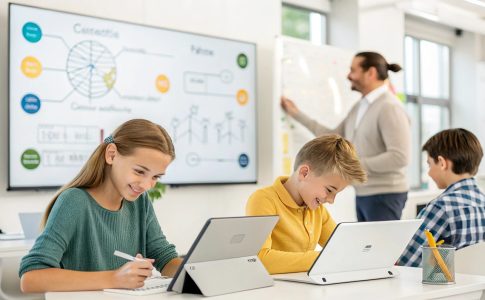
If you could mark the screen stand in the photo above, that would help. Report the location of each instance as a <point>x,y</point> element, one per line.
<point>225,276</point>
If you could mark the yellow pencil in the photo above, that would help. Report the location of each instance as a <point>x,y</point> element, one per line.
<point>437,256</point>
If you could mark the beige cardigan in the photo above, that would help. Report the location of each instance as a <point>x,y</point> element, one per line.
<point>382,140</point>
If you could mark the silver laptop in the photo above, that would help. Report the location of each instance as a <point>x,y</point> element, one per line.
<point>358,251</point>
<point>30,222</point>
<point>223,258</point>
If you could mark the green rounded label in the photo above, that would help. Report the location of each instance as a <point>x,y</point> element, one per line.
<point>30,159</point>
<point>242,60</point>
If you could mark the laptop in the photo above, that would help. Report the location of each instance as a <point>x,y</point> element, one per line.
<point>358,251</point>
<point>223,258</point>
<point>30,222</point>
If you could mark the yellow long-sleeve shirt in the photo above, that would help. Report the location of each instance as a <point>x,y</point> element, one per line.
<point>291,245</point>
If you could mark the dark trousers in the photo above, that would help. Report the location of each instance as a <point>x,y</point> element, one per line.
<point>380,207</point>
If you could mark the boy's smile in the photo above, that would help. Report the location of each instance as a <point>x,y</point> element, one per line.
<point>315,190</point>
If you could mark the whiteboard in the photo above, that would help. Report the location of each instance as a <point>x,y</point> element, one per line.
<point>315,78</point>
<point>73,79</point>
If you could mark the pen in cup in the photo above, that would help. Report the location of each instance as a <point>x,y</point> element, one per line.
<point>155,273</point>
<point>437,255</point>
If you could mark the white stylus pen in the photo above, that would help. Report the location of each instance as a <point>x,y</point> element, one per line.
<point>155,273</point>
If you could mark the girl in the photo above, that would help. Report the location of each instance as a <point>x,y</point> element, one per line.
<point>103,209</point>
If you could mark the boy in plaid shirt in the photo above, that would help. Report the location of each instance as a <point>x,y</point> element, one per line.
<point>457,216</point>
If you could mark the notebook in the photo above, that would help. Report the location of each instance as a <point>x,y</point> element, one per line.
<point>358,251</point>
<point>153,285</point>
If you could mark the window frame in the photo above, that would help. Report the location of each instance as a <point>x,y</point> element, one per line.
<point>420,101</point>
<point>323,14</point>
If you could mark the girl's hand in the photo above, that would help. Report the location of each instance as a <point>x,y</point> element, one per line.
<point>133,274</point>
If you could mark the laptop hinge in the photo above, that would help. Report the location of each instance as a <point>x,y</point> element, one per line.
<point>358,275</point>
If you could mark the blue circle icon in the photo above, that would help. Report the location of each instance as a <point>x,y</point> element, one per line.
<point>32,32</point>
<point>31,103</point>
<point>243,160</point>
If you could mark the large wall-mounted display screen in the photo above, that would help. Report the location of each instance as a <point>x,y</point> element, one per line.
<point>74,78</point>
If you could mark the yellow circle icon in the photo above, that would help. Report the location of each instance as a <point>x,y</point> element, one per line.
<point>31,67</point>
<point>162,83</point>
<point>242,97</point>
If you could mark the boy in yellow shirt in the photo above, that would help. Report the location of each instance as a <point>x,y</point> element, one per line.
<point>323,168</point>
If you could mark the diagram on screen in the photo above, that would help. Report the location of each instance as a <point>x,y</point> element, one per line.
<point>190,127</point>
<point>194,160</point>
<point>91,69</point>
<point>228,132</point>
<point>73,79</point>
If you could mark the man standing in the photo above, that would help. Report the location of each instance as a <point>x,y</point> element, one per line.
<point>380,130</point>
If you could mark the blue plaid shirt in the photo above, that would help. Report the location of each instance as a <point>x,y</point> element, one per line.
<point>457,216</point>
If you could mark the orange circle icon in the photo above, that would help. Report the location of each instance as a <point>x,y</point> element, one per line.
<point>242,97</point>
<point>162,83</point>
<point>31,67</point>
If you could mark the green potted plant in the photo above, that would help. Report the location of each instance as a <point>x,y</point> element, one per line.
<point>157,191</point>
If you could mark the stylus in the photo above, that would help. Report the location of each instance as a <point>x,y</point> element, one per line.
<point>155,273</point>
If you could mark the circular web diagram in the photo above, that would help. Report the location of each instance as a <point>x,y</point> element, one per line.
<point>91,69</point>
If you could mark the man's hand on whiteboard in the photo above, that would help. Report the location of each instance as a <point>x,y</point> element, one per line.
<point>289,106</point>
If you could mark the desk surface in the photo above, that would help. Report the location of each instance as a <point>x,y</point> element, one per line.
<point>15,248</point>
<point>407,286</point>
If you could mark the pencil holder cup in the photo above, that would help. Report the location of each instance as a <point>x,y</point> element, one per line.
<point>439,265</point>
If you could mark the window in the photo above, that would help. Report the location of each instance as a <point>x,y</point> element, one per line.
<point>304,24</point>
<point>427,77</point>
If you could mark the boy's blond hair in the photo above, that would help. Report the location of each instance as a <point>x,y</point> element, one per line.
<point>332,154</point>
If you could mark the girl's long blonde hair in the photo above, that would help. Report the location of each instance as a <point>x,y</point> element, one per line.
<point>136,133</point>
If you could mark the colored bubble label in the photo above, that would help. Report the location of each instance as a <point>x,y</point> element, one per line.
<point>30,103</point>
<point>31,67</point>
<point>162,83</point>
<point>242,60</point>
<point>30,159</point>
<point>242,97</point>
<point>32,32</point>
<point>109,78</point>
<point>243,160</point>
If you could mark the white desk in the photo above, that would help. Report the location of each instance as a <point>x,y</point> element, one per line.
<point>15,248</point>
<point>10,254</point>
<point>407,286</point>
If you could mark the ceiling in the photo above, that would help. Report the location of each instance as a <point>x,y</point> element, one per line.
<point>469,6</point>
<point>468,15</point>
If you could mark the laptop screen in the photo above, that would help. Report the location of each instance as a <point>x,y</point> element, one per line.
<point>30,222</point>
<point>364,245</point>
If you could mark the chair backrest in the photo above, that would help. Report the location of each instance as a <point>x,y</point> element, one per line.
<point>471,259</point>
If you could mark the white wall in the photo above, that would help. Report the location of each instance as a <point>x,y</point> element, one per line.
<point>464,92</point>
<point>316,5</point>
<point>182,211</point>
<point>343,23</point>
<point>386,39</point>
